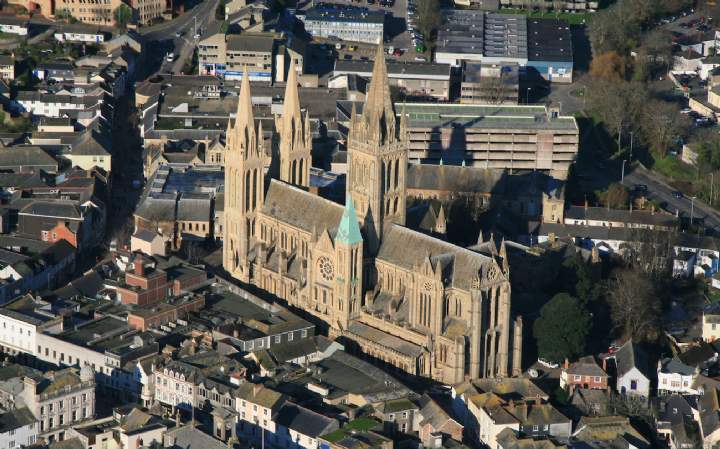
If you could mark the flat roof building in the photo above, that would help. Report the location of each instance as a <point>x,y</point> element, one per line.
<point>469,35</point>
<point>347,23</point>
<point>415,78</point>
<point>227,55</point>
<point>544,45</point>
<point>490,83</point>
<point>550,49</point>
<point>516,138</point>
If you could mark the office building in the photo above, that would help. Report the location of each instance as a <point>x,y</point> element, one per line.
<point>347,23</point>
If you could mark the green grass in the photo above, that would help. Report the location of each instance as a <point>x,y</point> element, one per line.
<point>713,295</point>
<point>673,168</point>
<point>573,18</point>
<point>360,424</point>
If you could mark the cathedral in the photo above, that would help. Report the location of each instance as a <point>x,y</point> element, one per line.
<point>413,301</point>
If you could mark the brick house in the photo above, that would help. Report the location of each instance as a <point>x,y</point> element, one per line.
<point>585,373</point>
<point>145,284</point>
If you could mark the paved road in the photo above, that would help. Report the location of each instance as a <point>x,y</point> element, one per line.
<point>659,191</point>
<point>162,39</point>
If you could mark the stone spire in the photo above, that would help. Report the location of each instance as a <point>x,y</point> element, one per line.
<point>244,118</point>
<point>291,103</point>
<point>504,256</point>
<point>378,113</point>
<point>348,231</point>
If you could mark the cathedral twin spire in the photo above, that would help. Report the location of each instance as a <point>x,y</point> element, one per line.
<point>295,137</point>
<point>243,136</point>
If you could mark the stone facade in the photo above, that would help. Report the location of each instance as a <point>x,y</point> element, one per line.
<point>423,305</point>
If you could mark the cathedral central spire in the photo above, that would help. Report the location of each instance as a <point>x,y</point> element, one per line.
<point>379,113</point>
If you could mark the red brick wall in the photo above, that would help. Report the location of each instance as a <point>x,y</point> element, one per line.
<point>589,381</point>
<point>61,232</point>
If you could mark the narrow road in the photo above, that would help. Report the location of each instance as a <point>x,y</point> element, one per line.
<point>660,191</point>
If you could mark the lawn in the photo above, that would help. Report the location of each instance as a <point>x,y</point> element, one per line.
<point>573,18</point>
<point>675,169</point>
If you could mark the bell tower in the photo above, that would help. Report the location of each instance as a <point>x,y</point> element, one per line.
<point>377,158</point>
<point>295,136</point>
<point>244,184</point>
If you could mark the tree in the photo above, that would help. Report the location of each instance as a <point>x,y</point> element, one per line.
<point>581,278</point>
<point>123,15</point>
<point>562,328</point>
<point>634,305</point>
<point>429,18</point>
<point>616,196</point>
<point>619,104</point>
<point>653,57</point>
<point>662,124</point>
<point>495,89</point>
<point>220,10</point>
<point>608,66</point>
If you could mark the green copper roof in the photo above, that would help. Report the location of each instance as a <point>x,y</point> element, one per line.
<point>349,231</point>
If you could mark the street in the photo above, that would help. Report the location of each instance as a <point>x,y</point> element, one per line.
<point>661,192</point>
<point>163,38</point>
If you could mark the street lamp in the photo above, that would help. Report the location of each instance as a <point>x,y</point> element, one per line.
<point>622,174</point>
<point>631,144</point>
<point>692,209</point>
<point>527,95</point>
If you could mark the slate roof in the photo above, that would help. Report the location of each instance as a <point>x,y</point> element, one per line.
<point>619,215</point>
<point>145,235</point>
<point>384,339</point>
<point>62,209</point>
<point>409,249</point>
<point>629,357</point>
<point>675,365</point>
<point>290,204</point>
<point>305,421</point>
<point>91,143</point>
<point>193,208</point>
<point>586,366</point>
<point>453,178</point>
<point>26,156</point>
<point>252,43</point>
<point>15,419</point>
<point>188,437</point>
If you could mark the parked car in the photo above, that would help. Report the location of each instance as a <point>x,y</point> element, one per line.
<point>677,194</point>
<point>640,188</point>
<point>421,58</point>
<point>548,363</point>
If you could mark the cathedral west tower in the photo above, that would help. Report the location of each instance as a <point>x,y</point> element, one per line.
<point>244,184</point>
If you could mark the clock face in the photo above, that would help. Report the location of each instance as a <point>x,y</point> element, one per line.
<point>327,271</point>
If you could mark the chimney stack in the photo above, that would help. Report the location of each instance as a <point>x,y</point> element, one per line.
<point>139,266</point>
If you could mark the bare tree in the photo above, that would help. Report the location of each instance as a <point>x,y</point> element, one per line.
<point>495,90</point>
<point>634,306</point>
<point>662,124</point>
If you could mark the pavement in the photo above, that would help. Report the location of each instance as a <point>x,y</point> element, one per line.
<point>659,190</point>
